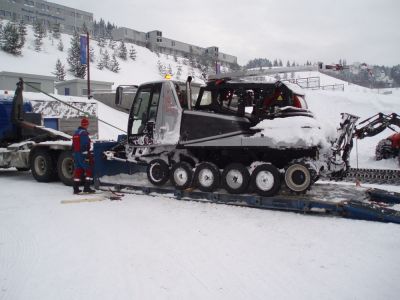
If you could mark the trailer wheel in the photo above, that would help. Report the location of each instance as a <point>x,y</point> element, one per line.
<point>65,167</point>
<point>235,178</point>
<point>207,177</point>
<point>181,175</point>
<point>158,172</point>
<point>298,178</point>
<point>43,166</point>
<point>265,180</point>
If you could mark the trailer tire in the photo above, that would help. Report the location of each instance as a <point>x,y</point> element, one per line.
<point>158,172</point>
<point>65,167</point>
<point>43,166</point>
<point>207,177</point>
<point>235,178</point>
<point>298,178</point>
<point>181,175</point>
<point>265,180</point>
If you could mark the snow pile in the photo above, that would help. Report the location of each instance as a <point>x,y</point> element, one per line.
<point>293,132</point>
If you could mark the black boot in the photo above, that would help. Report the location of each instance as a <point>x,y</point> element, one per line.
<point>87,189</point>
<point>76,187</point>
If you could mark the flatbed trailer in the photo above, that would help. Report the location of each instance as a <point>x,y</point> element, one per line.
<point>325,198</point>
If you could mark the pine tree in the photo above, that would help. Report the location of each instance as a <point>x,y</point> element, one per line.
<point>56,31</point>
<point>275,62</point>
<point>114,65</point>
<point>39,33</point>
<point>132,53</point>
<point>84,28</point>
<point>60,46</point>
<point>101,42</point>
<point>111,44</point>
<point>74,57</point>
<point>123,52</point>
<point>22,33</point>
<point>60,71</point>
<point>1,36</point>
<point>92,56</point>
<point>288,64</point>
<point>179,71</point>
<point>11,39</point>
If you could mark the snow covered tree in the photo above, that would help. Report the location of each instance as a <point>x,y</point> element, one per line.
<point>114,65</point>
<point>132,53</point>
<point>60,46</point>
<point>275,63</point>
<point>169,70</point>
<point>280,63</point>
<point>60,71</point>
<point>111,44</point>
<point>122,51</point>
<point>22,33</point>
<point>162,70</point>
<point>288,64</point>
<point>10,41</point>
<point>101,42</point>
<point>104,60</point>
<point>179,71</point>
<point>84,28</point>
<point>56,31</point>
<point>74,57</point>
<point>39,33</point>
<point>92,56</point>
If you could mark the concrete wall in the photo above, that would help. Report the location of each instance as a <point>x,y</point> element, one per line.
<point>70,125</point>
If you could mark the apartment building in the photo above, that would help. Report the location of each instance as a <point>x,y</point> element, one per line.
<point>48,13</point>
<point>154,40</point>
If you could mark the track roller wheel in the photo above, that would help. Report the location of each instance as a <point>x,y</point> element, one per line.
<point>207,177</point>
<point>181,175</point>
<point>235,178</point>
<point>298,178</point>
<point>158,172</point>
<point>265,180</point>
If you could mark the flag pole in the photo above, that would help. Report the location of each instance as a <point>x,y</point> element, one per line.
<point>88,65</point>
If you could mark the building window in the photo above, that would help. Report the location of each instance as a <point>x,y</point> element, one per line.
<point>173,43</point>
<point>159,33</point>
<point>66,92</point>
<point>159,40</point>
<point>29,2</point>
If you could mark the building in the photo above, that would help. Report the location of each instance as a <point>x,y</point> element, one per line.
<point>48,13</point>
<point>155,41</point>
<point>78,87</point>
<point>8,81</point>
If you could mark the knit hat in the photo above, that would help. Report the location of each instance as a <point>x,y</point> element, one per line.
<point>84,122</point>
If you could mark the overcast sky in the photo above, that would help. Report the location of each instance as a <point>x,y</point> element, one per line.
<point>316,30</point>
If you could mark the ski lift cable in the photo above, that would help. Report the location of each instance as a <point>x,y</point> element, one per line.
<point>65,103</point>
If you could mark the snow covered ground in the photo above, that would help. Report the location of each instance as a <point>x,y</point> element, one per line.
<point>147,247</point>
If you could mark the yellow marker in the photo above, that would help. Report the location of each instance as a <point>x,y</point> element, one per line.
<point>279,98</point>
<point>168,76</point>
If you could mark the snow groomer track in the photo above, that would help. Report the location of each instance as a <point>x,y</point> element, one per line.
<point>328,199</point>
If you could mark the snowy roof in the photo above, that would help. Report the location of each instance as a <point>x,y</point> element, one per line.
<point>31,96</point>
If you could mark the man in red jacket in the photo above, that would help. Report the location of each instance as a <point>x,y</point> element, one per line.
<point>82,160</point>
